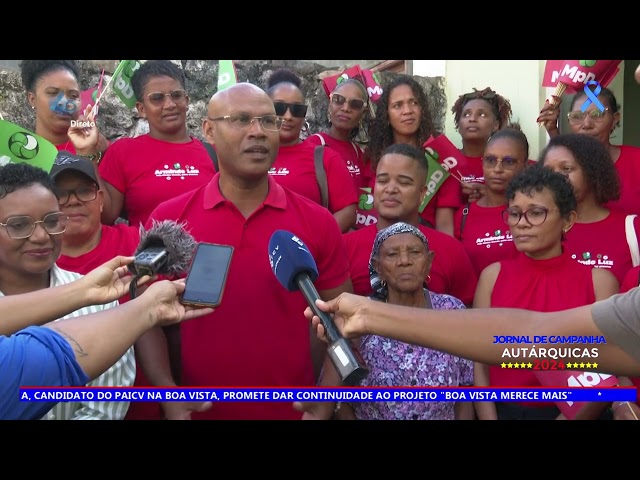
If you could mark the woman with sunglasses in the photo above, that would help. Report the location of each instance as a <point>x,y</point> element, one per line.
<point>294,167</point>
<point>477,115</point>
<point>403,116</point>
<point>31,228</point>
<point>601,125</point>
<point>479,225</point>
<point>53,92</point>
<point>348,107</point>
<point>599,237</point>
<point>140,173</point>
<point>541,209</point>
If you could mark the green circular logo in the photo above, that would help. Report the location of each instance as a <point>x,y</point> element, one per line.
<point>587,63</point>
<point>365,202</point>
<point>23,145</point>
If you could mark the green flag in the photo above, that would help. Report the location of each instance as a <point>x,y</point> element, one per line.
<point>435,177</point>
<point>122,81</point>
<point>18,145</point>
<point>226,74</point>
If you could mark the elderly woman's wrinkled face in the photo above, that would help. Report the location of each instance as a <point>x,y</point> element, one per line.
<point>403,263</point>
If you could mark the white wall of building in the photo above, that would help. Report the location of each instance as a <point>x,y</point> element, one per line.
<point>517,80</point>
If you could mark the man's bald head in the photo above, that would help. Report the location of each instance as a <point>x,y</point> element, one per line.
<point>223,98</point>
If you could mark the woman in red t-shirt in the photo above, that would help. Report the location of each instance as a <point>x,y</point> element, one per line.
<point>403,116</point>
<point>479,225</point>
<point>142,172</point>
<point>53,92</point>
<point>541,207</point>
<point>294,167</point>
<point>348,109</point>
<point>601,124</point>
<point>477,116</point>
<point>599,236</point>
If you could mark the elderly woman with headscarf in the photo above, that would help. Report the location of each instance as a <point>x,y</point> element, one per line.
<point>399,263</point>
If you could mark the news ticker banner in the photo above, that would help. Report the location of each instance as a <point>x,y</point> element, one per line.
<point>326,394</point>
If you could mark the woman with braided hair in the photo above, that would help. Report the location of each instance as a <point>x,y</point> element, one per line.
<point>478,115</point>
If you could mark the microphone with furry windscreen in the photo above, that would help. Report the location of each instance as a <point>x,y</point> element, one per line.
<point>165,249</point>
<point>294,267</point>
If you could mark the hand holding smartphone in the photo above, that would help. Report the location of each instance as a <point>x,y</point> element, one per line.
<point>207,275</point>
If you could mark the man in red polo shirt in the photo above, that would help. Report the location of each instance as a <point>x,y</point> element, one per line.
<point>258,336</point>
<point>400,186</point>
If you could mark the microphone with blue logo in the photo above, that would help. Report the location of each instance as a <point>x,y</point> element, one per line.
<point>294,267</point>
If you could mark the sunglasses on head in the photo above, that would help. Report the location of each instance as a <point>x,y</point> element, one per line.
<point>484,94</point>
<point>298,110</point>
<point>354,103</point>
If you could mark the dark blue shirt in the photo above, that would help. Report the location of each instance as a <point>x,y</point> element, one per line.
<point>35,356</point>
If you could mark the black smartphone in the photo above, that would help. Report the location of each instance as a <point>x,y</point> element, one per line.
<point>207,275</point>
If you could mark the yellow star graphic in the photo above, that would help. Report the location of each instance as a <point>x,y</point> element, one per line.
<point>581,364</point>
<point>588,364</point>
<point>523,365</point>
<point>503,365</point>
<point>509,365</point>
<point>569,365</point>
<point>529,365</point>
<point>516,365</point>
<point>595,365</point>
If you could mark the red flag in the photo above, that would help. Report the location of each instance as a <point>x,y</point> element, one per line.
<point>552,71</point>
<point>576,73</point>
<point>572,378</point>
<point>90,95</point>
<point>366,77</point>
<point>447,154</point>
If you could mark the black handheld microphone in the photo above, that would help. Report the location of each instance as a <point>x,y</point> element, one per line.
<point>294,267</point>
<point>166,249</point>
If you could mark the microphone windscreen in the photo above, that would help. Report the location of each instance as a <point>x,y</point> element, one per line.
<point>289,256</point>
<point>173,236</point>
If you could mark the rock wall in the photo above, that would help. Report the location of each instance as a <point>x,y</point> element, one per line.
<point>116,120</point>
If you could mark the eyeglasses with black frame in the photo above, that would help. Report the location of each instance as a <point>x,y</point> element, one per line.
<point>535,215</point>
<point>354,103</point>
<point>577,117</point>
<point>298,110</point>
<point>158,98</point>
<point>242,121</point>
<point>23,226</point>
<point>508,163</point>
<point>86,193</point>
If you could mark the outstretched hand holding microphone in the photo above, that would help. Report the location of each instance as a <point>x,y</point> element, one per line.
<point>295,269</point>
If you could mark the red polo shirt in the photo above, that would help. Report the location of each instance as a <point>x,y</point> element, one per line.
<point>259,335</point>
<point>451,272</point>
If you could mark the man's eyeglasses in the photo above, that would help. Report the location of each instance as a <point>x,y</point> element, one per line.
<point>535,215</point>
<point>354,103</point>
<point>24,226</point>
<point>491,161</point>
<point>83,194</point>
<point>298,110</point>
<point>242,121</point>
<point>158,98</point>
<point>577,117</point>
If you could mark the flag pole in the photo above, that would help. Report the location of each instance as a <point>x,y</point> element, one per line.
<point>106,87</point>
